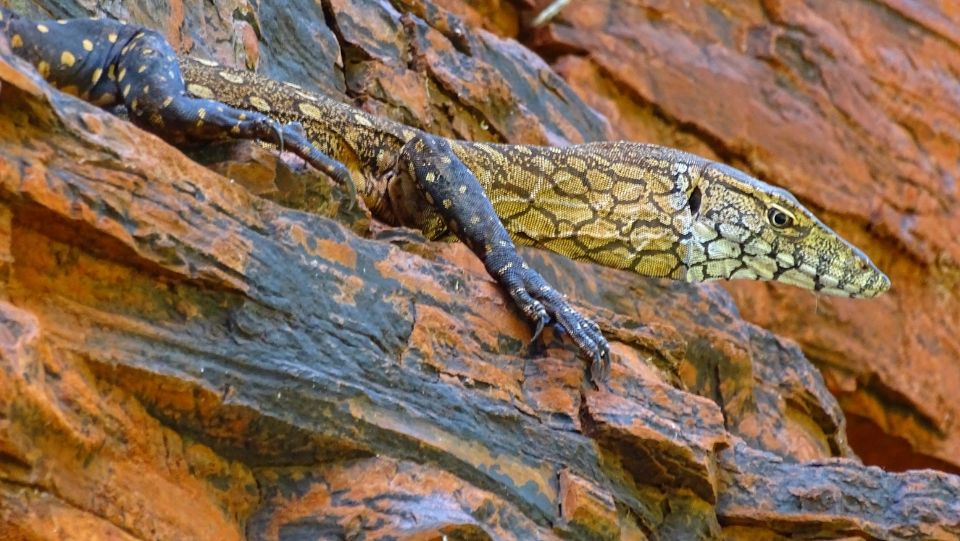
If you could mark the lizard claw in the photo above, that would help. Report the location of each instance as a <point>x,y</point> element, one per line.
<point>541,321</point>
<point>341,174</point>
<point>542,303</point>
<point>600,368</point>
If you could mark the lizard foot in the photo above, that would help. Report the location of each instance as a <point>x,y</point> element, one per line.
<point>295,139</point>
<point>456,195</point>
<point>543,304</point>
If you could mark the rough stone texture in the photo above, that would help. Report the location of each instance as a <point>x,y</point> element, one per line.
<point>182,359</point>
<point>853,107</point>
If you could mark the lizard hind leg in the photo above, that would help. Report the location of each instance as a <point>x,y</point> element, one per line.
<point>152,87</point>
<point>453,190</point>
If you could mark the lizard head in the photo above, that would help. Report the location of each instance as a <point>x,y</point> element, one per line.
<point>744,228</point>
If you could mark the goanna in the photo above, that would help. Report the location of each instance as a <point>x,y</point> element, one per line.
<point>653,210</point>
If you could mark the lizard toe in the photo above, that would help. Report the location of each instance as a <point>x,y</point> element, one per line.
<point>600,367</point>
<point>278,130</point>
<point>296,139</point>
<point>584,332</point>
<point>541,322</point>
<point>532,308</point>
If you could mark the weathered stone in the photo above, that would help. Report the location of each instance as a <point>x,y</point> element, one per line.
<point>587,507</point>
<point>834,498</point>
<point>660,438</point>
<point>272,373</point>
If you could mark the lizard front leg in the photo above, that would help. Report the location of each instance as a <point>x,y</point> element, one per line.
<point>452,189</point>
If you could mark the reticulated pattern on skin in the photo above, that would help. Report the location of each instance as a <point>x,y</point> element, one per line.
<point>618,204</point>
<point>623,205</point>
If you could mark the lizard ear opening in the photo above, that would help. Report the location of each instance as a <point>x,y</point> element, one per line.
<point>693,203</point>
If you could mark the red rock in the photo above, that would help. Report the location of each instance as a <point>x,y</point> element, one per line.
<point>665,441</point>
<point>180,358</point>
<point>588,507</point>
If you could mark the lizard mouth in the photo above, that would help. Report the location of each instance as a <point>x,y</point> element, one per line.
<point>873,286</point>
<point>863,281</point>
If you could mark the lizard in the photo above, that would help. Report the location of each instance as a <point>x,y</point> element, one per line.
<point>649,209</point>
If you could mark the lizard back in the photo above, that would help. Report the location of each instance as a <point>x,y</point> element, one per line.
<point>618,204</point>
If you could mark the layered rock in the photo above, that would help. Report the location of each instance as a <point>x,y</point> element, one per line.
<point>182,358</point>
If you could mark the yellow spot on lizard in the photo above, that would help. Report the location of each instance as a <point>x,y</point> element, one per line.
<point>200,91</point>
<point>67,58</point>
<point>87,45</point>
<point>310,110</point>
<point>232,77</point>
<point>259,103</point>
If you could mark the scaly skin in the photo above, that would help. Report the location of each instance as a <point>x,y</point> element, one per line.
<point>653,210</point>
<point>649,209</point>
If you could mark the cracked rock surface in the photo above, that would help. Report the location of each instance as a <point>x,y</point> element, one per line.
<point>225,352</point>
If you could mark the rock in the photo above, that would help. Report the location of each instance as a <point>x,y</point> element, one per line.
<point>833,499</point>
<point>182,359</point>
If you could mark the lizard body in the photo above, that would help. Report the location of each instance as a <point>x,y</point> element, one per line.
<point>653,210</point>
<point>650,209</point>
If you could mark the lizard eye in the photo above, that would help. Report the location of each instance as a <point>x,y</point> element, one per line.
<point>779,218</point>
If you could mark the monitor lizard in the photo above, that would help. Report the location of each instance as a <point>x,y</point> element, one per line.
<point>652,210</point>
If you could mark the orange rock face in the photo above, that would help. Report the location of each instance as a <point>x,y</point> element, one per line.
<point>181,358</point>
